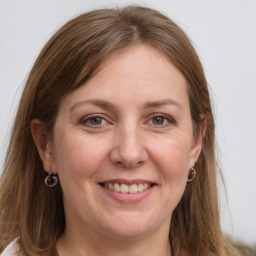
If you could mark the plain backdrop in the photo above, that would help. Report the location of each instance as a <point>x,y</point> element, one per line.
<point>224,34</point>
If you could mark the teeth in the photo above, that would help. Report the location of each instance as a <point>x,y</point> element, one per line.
<point>145,186</point>
<point>116,187</point>
<point>140,187</point>
<point>125,189</point>
<point>133,188</point>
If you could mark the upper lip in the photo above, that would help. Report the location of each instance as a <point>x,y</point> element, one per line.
<point>128,182</point>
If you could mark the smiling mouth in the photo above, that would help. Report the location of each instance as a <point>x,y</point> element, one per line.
<point>127,189</point>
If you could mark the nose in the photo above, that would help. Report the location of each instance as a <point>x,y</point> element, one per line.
<point>129,150</point>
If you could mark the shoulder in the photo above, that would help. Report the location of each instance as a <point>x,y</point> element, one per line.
<point>11,249</point>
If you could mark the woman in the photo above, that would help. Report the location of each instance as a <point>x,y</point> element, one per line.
<point>112,150</point>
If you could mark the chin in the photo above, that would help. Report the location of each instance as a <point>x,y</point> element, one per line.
<point>127,232</point>
<point>130,226</point>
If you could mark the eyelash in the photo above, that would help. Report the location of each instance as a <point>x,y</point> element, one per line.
<point>86,119</point>
<point>165,118</point>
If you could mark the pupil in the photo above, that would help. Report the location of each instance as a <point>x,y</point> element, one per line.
<point>158,120</point>
<point>96,120</point>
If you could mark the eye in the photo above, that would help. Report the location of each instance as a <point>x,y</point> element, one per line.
<point>158,120</point>
<point>93,121</point>
<point>161,120</point>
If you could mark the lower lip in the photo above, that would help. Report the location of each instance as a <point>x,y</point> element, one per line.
<point>129,197</point>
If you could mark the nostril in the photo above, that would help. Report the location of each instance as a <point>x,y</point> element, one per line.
<point>139,163</point>
<point>126,157</point>
<point>130,164</point>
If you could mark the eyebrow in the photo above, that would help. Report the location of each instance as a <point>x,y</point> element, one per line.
<point>159,103</point>
<point>99,103</point>
<point>108,105</point>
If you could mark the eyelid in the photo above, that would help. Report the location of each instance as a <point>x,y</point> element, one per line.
<point>86,118</point>
<point>82,121</point>
<point>170,119</point>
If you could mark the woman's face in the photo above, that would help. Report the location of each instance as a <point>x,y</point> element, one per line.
<point>123,145</point>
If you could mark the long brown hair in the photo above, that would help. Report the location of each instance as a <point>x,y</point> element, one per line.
<point>34,212</point>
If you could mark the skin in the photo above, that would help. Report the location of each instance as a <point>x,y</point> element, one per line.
<point>131,121</point>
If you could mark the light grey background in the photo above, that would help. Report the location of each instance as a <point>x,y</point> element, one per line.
<point>224,33</point>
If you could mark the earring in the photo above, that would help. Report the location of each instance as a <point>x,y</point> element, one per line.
<point>51,180</point>
<point>192,174</point>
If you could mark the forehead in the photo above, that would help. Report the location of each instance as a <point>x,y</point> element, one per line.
<point>140,61</point>
<point>140,72</point>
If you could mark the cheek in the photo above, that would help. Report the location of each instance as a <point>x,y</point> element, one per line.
<point>173,156</point>
<point>78,155</point>
<point>173,161</point>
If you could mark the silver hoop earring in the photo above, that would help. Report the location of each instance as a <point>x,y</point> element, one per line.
<point>192,174</point>
<point>51,180</point>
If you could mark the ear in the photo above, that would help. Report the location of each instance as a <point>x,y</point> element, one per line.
<point>43,143</point>
<point>198,141</point>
